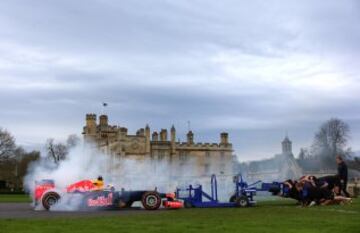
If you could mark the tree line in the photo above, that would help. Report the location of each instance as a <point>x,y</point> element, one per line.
<point>15,160</point>
<point>330,139</point>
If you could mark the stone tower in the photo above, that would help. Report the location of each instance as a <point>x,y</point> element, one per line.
<point>155,136</point>
<point>90,127</point>
<point>286,146</point>
<point>224,138</point>
<point>163,135</point>
<point>103,120</point>
<point>172,140</point>
<point>190,137</point>
<point>147,135</point>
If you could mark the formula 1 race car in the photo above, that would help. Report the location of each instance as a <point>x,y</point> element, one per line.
<point>89,196</point>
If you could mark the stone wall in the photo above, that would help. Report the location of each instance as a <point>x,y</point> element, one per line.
<point>196,159</point>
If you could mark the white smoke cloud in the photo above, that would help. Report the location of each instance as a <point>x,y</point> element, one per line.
<point>131,173</point>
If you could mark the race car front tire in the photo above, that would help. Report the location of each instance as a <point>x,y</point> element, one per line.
<point>49,199</point>
<point>151,200</point>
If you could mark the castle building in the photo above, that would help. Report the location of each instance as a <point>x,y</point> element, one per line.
<point>204,158</point>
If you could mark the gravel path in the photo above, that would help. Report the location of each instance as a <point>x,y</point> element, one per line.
<point>25,210</point>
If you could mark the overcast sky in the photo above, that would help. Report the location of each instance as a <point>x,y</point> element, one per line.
<point>256,69</point>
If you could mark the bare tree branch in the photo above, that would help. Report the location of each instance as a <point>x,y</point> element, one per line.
<point>7,145</point>
<point>72,141</point>
<point>58,151</point>
<point>330,140</point>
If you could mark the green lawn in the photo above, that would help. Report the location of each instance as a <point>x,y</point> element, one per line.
<point>275,216</point>
<point>14,198</point>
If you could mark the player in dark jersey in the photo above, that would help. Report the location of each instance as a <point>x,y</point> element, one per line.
<point>290,190</point>
<point>322,193</point>
<point>328,181</point>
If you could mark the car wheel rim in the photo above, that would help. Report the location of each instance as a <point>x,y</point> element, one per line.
<point>151,200</point>
<point>51,201</point>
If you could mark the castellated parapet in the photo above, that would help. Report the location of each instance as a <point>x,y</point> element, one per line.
<point>91,116</point>
<point>115,140</point>
<point>103,120</point>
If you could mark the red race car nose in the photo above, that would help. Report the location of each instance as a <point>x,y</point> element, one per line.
<point>173,204</point>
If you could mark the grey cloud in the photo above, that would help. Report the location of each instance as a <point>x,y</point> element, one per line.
<point>254,69</point>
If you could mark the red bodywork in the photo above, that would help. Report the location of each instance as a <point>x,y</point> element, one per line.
<point>84,186</point>
<point>173,204</point>
<point>41,187</point>
<point>79,187</point>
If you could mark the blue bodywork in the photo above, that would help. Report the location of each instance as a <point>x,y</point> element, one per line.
<point>243,195</point>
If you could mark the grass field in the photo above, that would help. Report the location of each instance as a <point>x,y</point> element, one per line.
<point>11,198</point>
<point>273,216</point>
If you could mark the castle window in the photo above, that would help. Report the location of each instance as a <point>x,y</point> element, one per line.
<point>222,168</point>
<point>183,156</point>
<point>222,154</point>
<point>207,154</point>
<point>161,155</point>
<point>207,169</point>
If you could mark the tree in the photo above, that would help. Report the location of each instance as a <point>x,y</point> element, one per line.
<point>72,141</point>
<point>26,159</point>
<point>7,145</point>
<point>14,160</point>
<point>19,165</point>
<point>56,151</point>
<point>330,140</point>
<point>304,154</point>
<point>59,151</point>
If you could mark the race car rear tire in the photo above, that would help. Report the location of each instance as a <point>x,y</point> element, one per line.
<point>49,199</point>
<point>151,200</point>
